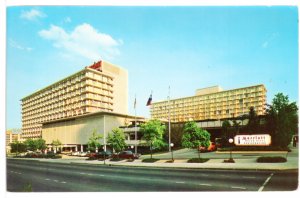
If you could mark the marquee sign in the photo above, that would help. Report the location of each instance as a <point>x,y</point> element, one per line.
<point>252,140</point>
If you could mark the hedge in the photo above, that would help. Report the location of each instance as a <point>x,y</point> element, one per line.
<point>275,159</point>
<point>197,160</point>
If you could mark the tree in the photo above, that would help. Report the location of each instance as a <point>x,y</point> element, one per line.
<point>195,137</point>
<point>30,144</point>
<point>253,123</point>
<point>17,147</point>
<point>93,143</point>
<point>152,132</point>
<point>40,144</point>
<point>35,144</point>
<point>116,139</point>
<point>56,143</point>
<point>225,128</point>
<point>282,120</point>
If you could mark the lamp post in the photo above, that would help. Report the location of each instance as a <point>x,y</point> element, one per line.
<point>104,153</point>
<point>171,146</point>
<point>230,141</point>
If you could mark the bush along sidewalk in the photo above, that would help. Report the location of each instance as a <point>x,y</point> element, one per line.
<point>197,160</point>
<point>150,160</point>
<point>275,159</point>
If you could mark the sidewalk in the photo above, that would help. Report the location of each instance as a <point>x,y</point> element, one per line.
<point>242,164</point>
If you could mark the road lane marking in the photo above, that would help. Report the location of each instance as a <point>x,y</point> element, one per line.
<point>47,179</point>
<point>55,180</point>
<point>101,175</point>
<point>238,187</point>
<point>179,182</point>
<point>82,173</point>
<point>205,184</point>
<point>90,174</point>
<point>63,182</point>
<point>265,183</point>
<point>249,177</point>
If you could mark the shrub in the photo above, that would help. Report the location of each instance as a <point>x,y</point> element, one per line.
<point>150,160</point>
<point>115,159</point>
<point>275,159</point>
<point>197,160</point>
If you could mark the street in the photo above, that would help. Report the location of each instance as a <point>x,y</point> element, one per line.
<point>29,175</point>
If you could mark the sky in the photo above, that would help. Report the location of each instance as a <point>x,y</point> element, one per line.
<point>183,47</point>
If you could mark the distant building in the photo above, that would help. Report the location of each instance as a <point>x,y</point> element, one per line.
<point>212,103</point>
<point>101,87</point>
<point>11,137</point>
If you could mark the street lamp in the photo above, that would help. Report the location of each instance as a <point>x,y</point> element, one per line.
<point>171,146</point>
<point>104,153</point>
<point>131,147</point>
<point>230,141</point>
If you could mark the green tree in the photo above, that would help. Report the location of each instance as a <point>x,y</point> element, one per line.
<point>41,144</point>
<point>94,143</point>
<point>282,120</point>
<point>225,128</point>
<point>35,144</point>
<point>116,139</point>
<point>253,123</point>
<point>30,144</point>
<point>152,132</point>
<point>17,147</point>
<point>55,144</point>
<point>195,137</point>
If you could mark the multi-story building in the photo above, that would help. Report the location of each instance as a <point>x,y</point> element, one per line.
<point>99,87</point>
<point>11,137</point>
<point>212,103</point>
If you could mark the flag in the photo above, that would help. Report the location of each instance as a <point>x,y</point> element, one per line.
<point>134,105</point>
<point>149,100</point>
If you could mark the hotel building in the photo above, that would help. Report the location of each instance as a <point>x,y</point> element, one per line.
<point>101,87</point>
<point>212,103</point>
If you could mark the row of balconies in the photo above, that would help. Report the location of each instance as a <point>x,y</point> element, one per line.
<point>189,101</point>
<point>206,111</point>
<point>65,97</point>
<point>58,107</point>
<point>64,88</point>
<point>214,105</point>
<point>53,89</point>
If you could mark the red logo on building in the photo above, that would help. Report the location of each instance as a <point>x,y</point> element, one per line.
<point>97,66</point>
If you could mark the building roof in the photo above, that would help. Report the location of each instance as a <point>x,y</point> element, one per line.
<point>94,114</point>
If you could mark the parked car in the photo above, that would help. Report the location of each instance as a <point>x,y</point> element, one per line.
<point>75,153</point>
<point>127,155</point>
<point>211,147</point>
<point>107,154</point>
<point>100,155</point>
<point>82,154</point>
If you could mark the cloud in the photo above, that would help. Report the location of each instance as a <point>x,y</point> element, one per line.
<point>15,45</point>
<point>270,38</point>
<point>67,20</point>
<point>84,40</point>
<point>32,15</point>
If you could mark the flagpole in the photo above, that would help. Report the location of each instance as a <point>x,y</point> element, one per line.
<point>169,122</point>
<point>135,131</point>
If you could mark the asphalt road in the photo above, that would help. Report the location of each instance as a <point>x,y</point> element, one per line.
<point>26,175</point>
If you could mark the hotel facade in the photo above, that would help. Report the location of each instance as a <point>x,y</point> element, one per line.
<point>101,87</point>
<point>212,103</point>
